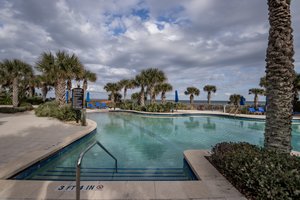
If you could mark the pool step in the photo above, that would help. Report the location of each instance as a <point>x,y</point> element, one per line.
<point>109,174</point>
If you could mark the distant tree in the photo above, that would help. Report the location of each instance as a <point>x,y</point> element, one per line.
<point>235,99</point>
<point>113,88</point>
<point>256,92</point>
<point>135,96</point>
<point>14,71</point>
<point>127,84</point>
<point>163,88</point>
<point>60,68</point>
<point>209,89</point>
<point>192,91</point>
<point>154,77</point>
<point>263,82</point>
<point>141,81</point>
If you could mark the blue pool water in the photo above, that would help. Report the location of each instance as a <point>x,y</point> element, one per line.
<point>149,147</point>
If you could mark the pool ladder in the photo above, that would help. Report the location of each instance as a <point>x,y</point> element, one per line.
<point>78,167</point>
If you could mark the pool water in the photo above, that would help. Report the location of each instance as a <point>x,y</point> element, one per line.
<point>150,147</point>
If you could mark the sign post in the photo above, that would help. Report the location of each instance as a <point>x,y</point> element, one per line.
<point>77,101</point>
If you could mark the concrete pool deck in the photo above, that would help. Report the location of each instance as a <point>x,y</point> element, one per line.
<point>25,139</point>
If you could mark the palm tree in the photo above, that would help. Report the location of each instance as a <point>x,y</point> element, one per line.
<point>256,92</point>
<point>87,76</point>
<point>235,99</point>
<point>192,91</point>
<point>135,96</point>
<point>141,81</point>
<point>163,88</point>
<point>127,84</point>
<point>59,68</point>
<point>14,71</point>
<point>280,76</point>
<point>153,76</point>
<point>45,84</point>
<point>209,89</point>
<point>263,82</point>
<point>113,88</point>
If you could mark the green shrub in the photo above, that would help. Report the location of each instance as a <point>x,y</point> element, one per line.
<point>12,109</point>
<point>33,100</point>
<point>28,106</point>
<point>258,173</point>
<point>51,109</point>
<point>5,98</point>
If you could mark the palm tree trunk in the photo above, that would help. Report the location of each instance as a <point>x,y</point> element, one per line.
<point>208,97</point>
<point>125,93</point>
<point>192,99</point>
<point>280,77</point>
<point>152,95</point>
<point>69,88</point>
<point>163,97</point>
<point>60,91</point>
<point>84,87</point>
<point>142,96</point>
<point>44,90</point>
<point>255,101</point>
<point>15,92</point>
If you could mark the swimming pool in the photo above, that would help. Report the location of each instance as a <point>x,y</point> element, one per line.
<point>149,147</point>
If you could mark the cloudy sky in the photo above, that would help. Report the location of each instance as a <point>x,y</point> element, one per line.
<point>195,42</point>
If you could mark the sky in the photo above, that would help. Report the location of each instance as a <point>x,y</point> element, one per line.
<point>195,42</point>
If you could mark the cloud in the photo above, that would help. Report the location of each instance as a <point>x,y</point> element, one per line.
<point>194,42</point>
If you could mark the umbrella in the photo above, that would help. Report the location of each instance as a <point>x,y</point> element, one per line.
<point>67,96</point>
<point>88,97</point>
<point>176,96</point>
<point>242,101</point>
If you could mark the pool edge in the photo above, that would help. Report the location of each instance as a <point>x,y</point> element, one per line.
<point>9,172</point>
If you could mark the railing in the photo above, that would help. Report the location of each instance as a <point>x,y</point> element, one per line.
<point>78,167</point>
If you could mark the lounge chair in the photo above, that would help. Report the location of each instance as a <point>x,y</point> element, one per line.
<point>103,105</point>
<point>252,110</point>
<point>97,104</point>
<point>261,110</point>
<point>90,106</point>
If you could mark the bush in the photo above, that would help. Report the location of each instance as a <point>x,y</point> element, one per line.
<point>28,106</point>
<point>51,109</point>
<point>33,100</point>
<point>258,173</point>
<point>12,109</point>
<point>5,98</point>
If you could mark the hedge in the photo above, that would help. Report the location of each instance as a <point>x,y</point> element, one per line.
<point>257,172</point>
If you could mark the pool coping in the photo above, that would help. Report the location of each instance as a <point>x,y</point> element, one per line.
<point>188,113</point>
<point>212,185</point>
<point>16,166</point>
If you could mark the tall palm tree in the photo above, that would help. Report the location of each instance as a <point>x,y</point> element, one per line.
<point>141,81</point>
<point>256,92</point>
<point>209,89</point>
<point>153,76</point>
<point>235,99</point>
<point>86,76</point>
<point>127,84</point>
<point>263,82</point>
<point>280,76</point>
<point>135,96</point>
<point>59,68</point>
<point>192,91</point>
<point>45,84</point>
<point>113,88</point>
<point>14,71</point>
<point>164,88</point>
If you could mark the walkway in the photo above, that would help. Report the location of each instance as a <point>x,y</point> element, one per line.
<point>25,138</point>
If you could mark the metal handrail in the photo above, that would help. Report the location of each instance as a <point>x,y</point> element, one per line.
<point>78,167</point>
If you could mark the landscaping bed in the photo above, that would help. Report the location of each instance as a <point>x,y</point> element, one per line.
<point>257,172</point>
